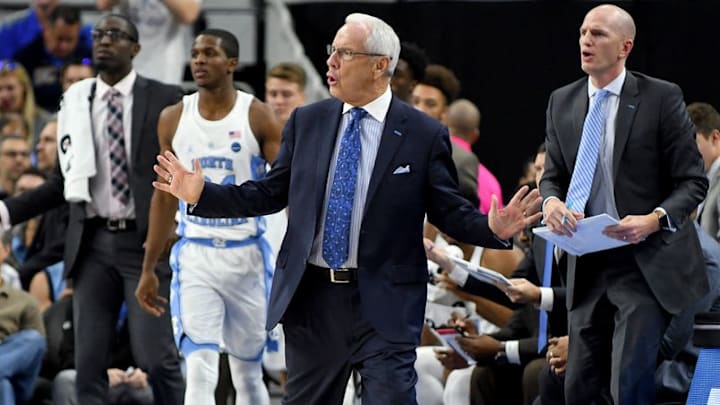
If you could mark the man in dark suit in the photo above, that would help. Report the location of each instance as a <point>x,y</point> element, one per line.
<point>350,285</point>
<point>104,244</point>
<point>636,126</point>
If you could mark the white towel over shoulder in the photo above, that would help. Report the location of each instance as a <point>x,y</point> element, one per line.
<point>76,147</point>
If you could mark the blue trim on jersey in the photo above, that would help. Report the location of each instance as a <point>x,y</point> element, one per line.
<point>175,310</point>
<point>187,346</point>
<point>220,243</point>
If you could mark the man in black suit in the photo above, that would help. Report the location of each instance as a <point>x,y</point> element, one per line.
<point>350,281</point>
<point>106,232</point>
<point>635,158</point>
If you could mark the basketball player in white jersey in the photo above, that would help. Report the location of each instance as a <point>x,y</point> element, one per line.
<point>221,266</point>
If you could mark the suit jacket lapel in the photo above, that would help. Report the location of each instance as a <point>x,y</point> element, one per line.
<point>327,131</point>
<point>139,109</point>
<point>629,103</point>
<point>392,137</point>
<point>579,111</point>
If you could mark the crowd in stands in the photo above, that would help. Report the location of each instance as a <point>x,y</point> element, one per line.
<point>45,49</point>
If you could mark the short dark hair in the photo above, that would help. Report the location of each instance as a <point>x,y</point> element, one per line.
<point>228,42</point>
<point>541,149</point>
<point>443,79</point>
<point>291,72</point>
<point>64,12</point>
<point>76,62</point>
<point>705,117</point>
<point>4,138</point>
<point>33,171</point>
<point>131,27</point>
<point>416,59</point>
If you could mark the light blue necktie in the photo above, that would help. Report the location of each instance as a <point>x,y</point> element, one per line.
<point>588,152</point>
<point>342,193</point>
<point>547,277</point>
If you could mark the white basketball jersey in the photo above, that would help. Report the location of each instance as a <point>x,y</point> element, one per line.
<point>228,154</point>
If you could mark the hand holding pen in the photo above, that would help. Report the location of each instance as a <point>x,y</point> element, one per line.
<point>560,218</point>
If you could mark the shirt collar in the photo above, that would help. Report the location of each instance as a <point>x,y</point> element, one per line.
<point>377,108</point>
<point>614,87</point>
<point>124,86</point>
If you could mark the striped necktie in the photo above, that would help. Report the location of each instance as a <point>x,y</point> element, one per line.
<point>588,152</point>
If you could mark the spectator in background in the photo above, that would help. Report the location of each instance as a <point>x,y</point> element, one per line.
<point>21,28</point>
<point>45,56</point>
<point>409,71</point>
<point>432,95</point>
<point>13,124</point>
<point>74,71</point>
<point>285,89</point>
<point>7,271</point>
<point>46,148</point>
<point>16,96</point>
<point>22,344</point>
<point>14,160</point>
<point>162,25</point>
<point>707,136</point>
<point>463,121</point>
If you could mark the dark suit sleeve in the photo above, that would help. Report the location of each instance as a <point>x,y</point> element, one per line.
<point>555,179</point>
<point>252,198</point>
<point>446,208</point>
<point>523,328</point>
<point>681,157</point>
<point>526,269</point>
<point>38,200</point>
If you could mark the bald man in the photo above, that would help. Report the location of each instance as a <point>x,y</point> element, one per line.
<point>463,121</point>
<point>637,161</point>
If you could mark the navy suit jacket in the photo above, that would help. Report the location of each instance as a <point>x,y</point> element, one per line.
<point>392,267</point>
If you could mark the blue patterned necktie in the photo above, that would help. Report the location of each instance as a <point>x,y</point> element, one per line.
<point>547,278</point>
<point>120,187</point>
<point>588,152</point>
<point>342,193</point>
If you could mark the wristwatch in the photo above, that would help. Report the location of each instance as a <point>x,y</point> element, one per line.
<point>663,220</point>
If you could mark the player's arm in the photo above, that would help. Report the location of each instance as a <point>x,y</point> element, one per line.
<point>161,220</point>
<point>267,129</point>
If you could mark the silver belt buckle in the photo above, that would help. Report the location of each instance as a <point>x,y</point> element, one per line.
<point>218,243</point>
<point>114,225</point>
<point>336,281</point>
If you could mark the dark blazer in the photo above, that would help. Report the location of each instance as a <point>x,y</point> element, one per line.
<point>655,163</point>
<point>149,98</point>
<point>523,327</point>
<point>391,258</point>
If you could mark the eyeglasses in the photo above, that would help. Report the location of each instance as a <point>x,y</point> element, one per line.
<point>14,154</point>
<point>114,35</point>
<point>8,65</point>
<point>347,54</point>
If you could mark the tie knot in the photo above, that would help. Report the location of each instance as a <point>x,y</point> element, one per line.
<point>112,94</point>
<point>601,95</point>
<point>358,113</point>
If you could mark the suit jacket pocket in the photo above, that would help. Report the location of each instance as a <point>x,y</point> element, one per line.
<point>409,274</point>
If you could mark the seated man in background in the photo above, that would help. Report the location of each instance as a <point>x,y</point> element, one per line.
<point>22,344</point>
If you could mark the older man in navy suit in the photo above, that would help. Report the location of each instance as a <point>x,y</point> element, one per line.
<point>358,172</point>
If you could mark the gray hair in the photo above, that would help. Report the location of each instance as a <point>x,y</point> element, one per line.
<point>381,38</point>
